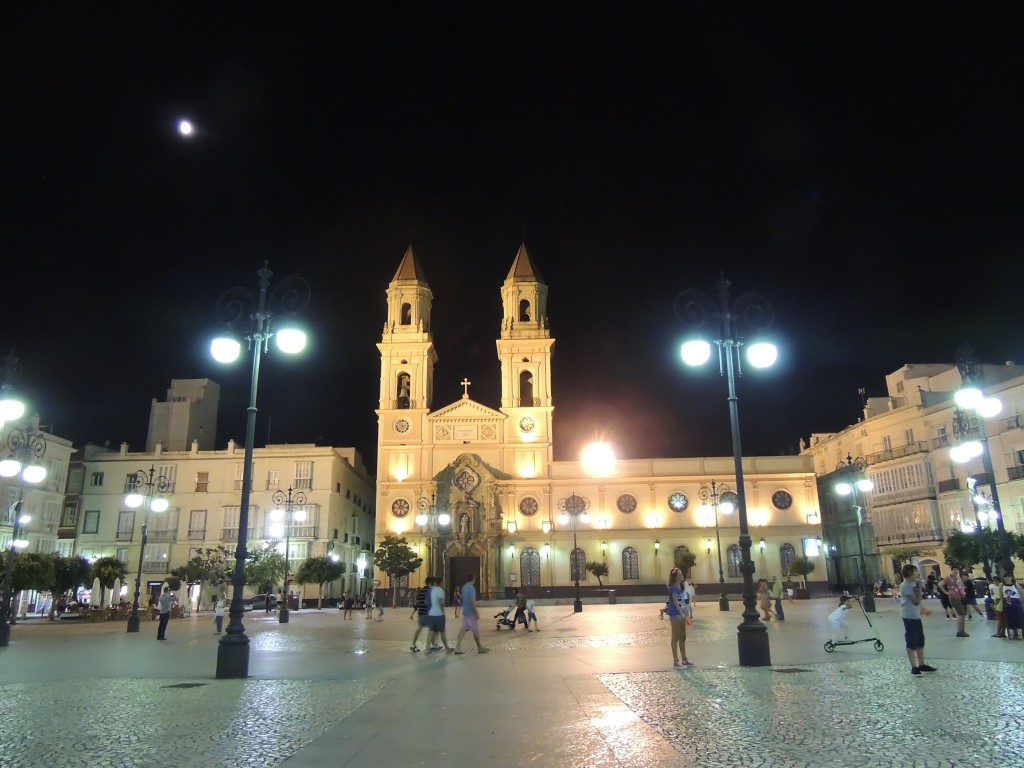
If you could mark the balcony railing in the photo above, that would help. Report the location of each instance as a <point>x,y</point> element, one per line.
<point>1015,473</point>
<point>154,566</point>
<point>948,486</point>
<point>197,533</point>
<point>124,535</point>
<point>231,534</point>
<point>297,532</point>
<point>897,453</point>
<point>164,535</point>
<point>1011,422</point>
<point>940,442</point>
<point>909,537</point>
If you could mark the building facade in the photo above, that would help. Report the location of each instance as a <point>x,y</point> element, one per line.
<point>203,488</point>
<point>492,471</point>
<point>920,494</point>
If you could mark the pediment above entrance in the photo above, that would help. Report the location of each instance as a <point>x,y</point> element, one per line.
<point>466,421</point>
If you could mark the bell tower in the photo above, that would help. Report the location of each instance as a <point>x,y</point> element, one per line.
<point>524,350</point>
<point>407,360</point>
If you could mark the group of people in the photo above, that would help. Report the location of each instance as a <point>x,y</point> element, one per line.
<point>959,599</point>
<point>428,611</point>
<point>766,593</point>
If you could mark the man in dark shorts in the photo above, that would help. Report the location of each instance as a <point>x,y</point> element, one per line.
<point>913,629</point>
<point>419,611</point>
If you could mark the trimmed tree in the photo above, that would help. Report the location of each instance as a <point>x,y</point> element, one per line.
<point>68,573</point>
<point>395,557</point>
<point>108,570</point>
<point>207,566</point>
<point>318,570</point>
<point>803,568</point>
<point>684,560</point>
<point>264,567</point>
<point>598,569</point>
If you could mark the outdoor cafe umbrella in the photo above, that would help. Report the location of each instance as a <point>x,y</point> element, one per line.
<point>94,599</point>
<point>115,595</point>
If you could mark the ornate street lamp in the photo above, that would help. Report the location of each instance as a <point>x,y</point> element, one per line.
<point>724,320</point>
<point>435,519</point>
<point>572,508</point>
<point>974,440</point>
<point>855,483</point>
<point>715,494</point>
<point>288,501</point>
<point>260,318</point>
<point>151,500</point>
<point>26,449</point>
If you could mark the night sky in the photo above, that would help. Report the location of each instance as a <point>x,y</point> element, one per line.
<point>862,169</point>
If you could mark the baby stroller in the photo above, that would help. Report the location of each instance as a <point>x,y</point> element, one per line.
<point>831,645</point>
<point>504,620</point>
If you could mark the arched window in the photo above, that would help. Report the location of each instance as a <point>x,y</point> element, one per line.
<point>402,389</point>
<point>735,558</point>
<point>525,389</point>
<point>630,564</point>
<point>578,565</point>
<point>524,311</point>
<point>529,567</point>
<point>787,554</point>
<point>406,316</point>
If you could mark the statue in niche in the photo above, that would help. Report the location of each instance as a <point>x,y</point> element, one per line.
<point>464,524</point>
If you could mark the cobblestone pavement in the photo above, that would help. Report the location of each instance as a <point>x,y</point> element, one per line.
<point>591,689</point>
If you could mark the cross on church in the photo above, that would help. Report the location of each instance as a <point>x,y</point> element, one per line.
<point>465,386</point>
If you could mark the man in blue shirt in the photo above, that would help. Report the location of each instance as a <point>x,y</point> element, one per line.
<point>470,616</point>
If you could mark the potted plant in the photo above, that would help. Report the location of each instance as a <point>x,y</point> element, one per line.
<point>803,568</point>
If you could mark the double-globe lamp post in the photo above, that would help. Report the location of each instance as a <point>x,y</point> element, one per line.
<point>723,320</point>
<point>257,319</point>
<point>278,528</point>
<point>26,449</point>
<point>856,482</point>
<point>974,440</point>
<point>714,494</point>
<point>434,519</point>
<point>574,508</point>
<point>146,491</point>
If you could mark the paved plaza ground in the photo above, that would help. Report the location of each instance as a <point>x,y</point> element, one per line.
<point>591,689</point>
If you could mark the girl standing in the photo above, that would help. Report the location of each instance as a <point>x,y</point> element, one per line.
<point>1013,608</point>
<point>677,600</point>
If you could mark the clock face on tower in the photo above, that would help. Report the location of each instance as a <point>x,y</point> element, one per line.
<point>527,424</point>
<point>401,426</point>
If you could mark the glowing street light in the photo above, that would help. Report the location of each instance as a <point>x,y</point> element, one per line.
<point>150,502</point>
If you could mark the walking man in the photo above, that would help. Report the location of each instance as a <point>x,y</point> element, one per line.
<point>167,601</point>
<point>435,619</point>
<point>470,617</point>
<point>953,587</point>
<point>419,611</point>
<point>778,589</point>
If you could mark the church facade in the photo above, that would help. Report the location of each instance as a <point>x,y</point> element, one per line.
<point>475,489</point>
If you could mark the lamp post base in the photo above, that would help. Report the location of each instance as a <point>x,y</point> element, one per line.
<point>753,646</point>
<point>868,603</point>
<point>133,623</point>
<point>282,616</point>
<point>577,606</point>
<point>233,658</point>
<point>723,603</point>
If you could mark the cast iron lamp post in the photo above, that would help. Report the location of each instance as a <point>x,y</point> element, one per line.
<point>698,312</point>
<point>434,519</point>
<point>260,317</point>
<point>974,441</point>
<point>150,501</point>
<point>288,501</point>
<point>858,482</point>
<point>26,450</point>
<point>714,493</point>
<point>574,507</point>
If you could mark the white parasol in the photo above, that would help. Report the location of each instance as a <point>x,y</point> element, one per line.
<point>95,598</point>
<point>115,595</point>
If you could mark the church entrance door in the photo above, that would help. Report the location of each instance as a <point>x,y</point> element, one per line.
<point>459,570</point>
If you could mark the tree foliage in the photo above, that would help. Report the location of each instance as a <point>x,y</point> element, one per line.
<point>395,557</point>
<point>208,566</point>
<point>318,570</point>
<point>802,567</point>
<point>108,570</point>
<point>264,567</point>
<point>903,555</point>
<point>70,572</point>
<point>684,560</point>
<point>32,570</point>
<point>963,550</point>
<point>599,569</point>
